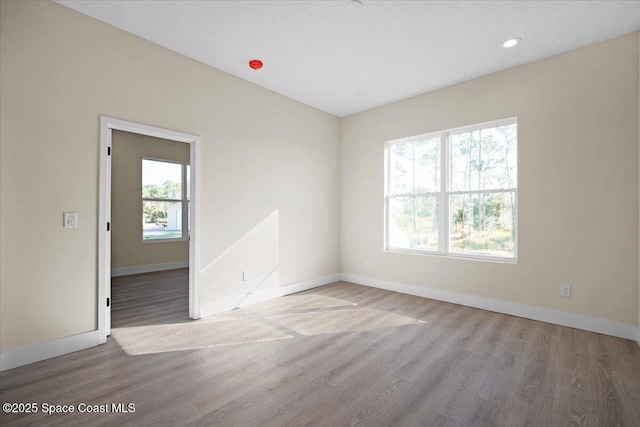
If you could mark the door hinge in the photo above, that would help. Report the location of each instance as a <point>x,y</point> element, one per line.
<point>108,302</point>
<point>108,151</point>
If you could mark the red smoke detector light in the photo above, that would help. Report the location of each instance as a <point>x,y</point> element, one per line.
<point>256,64</point>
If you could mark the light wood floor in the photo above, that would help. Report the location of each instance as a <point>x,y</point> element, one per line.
<point>337,355</point>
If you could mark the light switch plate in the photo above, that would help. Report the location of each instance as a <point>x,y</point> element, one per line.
<point>70,220</point>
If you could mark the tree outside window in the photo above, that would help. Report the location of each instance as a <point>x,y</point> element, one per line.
<point>454,192</point>
<point>165,200</point>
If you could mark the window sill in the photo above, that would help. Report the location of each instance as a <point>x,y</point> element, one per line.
<point>164,240</point>
<point>454,255</point>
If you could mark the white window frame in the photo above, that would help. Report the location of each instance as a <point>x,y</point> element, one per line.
<point>444,207</point>
<point>184,200</point>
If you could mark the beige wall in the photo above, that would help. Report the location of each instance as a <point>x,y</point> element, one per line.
<point>271,169</point>
<point>261,153</point>
<point>578,182</point>
<point>127,248</point>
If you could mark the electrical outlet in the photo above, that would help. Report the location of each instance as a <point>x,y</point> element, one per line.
<point>245,276</point>
<point>367,263</point>
<point>565,291</point>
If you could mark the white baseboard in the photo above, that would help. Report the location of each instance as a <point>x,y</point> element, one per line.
<point>229,304</point>
<point>578,321</point>
<point>125,271</point>
<point>46,350</point>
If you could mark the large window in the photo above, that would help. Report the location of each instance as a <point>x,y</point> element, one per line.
<point>165,200</point>
<point>454,192</point>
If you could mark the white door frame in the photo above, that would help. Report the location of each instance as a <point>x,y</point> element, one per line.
<point>107,125</point>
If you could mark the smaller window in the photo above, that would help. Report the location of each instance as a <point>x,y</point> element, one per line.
<point>165,200</point>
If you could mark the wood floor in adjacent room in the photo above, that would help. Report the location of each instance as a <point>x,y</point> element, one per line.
<point>337,355</point>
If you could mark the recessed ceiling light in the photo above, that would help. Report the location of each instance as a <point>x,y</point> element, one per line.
<point>511,42</point>
<point>354,6</point>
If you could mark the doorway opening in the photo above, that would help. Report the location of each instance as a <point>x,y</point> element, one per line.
<point>181,212</point>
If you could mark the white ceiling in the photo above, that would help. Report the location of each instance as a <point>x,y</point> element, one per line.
<point>325,55</point>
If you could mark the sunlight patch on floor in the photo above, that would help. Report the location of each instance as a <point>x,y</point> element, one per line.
<point>193,335</point>
<point>302,302</point>
<point>337,321</point>
<point>278,319</point>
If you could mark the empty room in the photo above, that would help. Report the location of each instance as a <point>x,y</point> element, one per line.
<point>325,213</point>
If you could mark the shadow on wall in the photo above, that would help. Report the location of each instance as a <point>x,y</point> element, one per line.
<point>256,254</point>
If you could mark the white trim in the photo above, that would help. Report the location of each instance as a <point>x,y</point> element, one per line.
<point>125,271</point>
<point>152,241</point>
<point>578,321</point>
<point>229,304</point>
<point>104,236</point>
<point>444,194</point>
<point>183,200</point>
<point>194,237</point>
<point>443,199</point>
<point>107,125</point>
<point>46,350</point>
<point>460,255</point>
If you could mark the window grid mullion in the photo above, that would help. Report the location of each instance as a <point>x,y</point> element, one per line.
<point>485,191</point>
<point>427,194</point>
<point>149,199</point>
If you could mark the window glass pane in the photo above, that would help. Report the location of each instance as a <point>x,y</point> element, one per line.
<point>413,223</point>
<point>427,165</point>
<point>463,156</point>
<point>483,224</point>
<point>161,180</point>
<point>161,220</point>
<point>401,168</point>
<point>415,167</point>
<point>484,159</point>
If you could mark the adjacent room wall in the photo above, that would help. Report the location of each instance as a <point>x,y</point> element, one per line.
<point>578,183</point>
<point>127,248</point>
<point>261,153</point>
